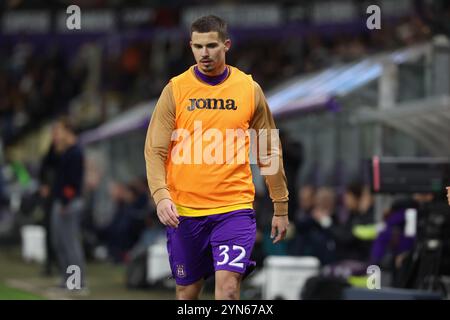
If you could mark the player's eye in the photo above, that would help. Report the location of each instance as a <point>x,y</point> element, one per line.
<point>212,45</point>
<point>197,46</point>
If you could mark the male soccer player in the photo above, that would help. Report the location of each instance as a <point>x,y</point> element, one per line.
<point>206,203</point>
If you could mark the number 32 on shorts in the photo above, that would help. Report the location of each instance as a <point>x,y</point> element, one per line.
<point>224,249</point>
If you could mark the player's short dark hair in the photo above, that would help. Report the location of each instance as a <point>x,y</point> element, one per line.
<point>211,23</point>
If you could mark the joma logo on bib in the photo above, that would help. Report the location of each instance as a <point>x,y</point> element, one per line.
<point>220,104</point>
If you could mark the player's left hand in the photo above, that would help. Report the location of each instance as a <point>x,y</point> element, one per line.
<point>279,228</point>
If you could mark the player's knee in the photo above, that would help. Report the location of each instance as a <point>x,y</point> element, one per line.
<point>187,293</point>
<point>229,289</point>
<point>184,294</point>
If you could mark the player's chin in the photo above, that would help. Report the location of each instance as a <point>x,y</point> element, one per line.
<point>207,68</point>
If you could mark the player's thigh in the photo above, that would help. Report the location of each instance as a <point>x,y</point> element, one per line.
<point>189,251</point>
<point>232,241</point>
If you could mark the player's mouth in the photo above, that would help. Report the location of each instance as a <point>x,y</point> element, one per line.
<point>206,61</point>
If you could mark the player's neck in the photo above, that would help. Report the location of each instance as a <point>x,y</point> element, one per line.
<point>216,72</point>
<point>212,79</point>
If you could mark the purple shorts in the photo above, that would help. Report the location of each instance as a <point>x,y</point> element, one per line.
<point>202,245</point>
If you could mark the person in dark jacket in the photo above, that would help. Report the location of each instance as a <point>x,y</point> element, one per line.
<point>314,236</point>
<point>349,244</point>
<point>68,204</point>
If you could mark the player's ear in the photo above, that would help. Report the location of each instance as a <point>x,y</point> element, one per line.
<point>227,44</point>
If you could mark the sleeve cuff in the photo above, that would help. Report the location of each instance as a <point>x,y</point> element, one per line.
<point>161,194</point>
<point>280,208</point>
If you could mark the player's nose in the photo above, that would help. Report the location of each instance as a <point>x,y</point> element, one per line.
<point>205,53</point>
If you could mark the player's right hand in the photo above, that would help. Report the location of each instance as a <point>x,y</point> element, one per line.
<point>167,213</point>
<point>279,228</point>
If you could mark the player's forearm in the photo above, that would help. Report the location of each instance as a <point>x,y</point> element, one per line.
<point>278,193</point>
<point>156,174</point>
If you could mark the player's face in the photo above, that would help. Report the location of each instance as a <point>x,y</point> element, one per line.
<point>209,52</point>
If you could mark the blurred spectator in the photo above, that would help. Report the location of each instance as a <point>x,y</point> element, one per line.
<point>305,201</point>
<point>68,203</point>
<point>314,236</point>
<point>90,238</point>
<point>354,234</point>
<point>128,222</point>
<point>393,247</point>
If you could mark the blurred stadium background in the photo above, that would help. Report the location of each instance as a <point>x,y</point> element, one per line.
<point>340,93</point>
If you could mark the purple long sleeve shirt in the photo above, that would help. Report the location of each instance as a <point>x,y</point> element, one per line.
<point>381,243</point>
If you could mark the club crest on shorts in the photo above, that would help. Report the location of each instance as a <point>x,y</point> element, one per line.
<point>181,273</point>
